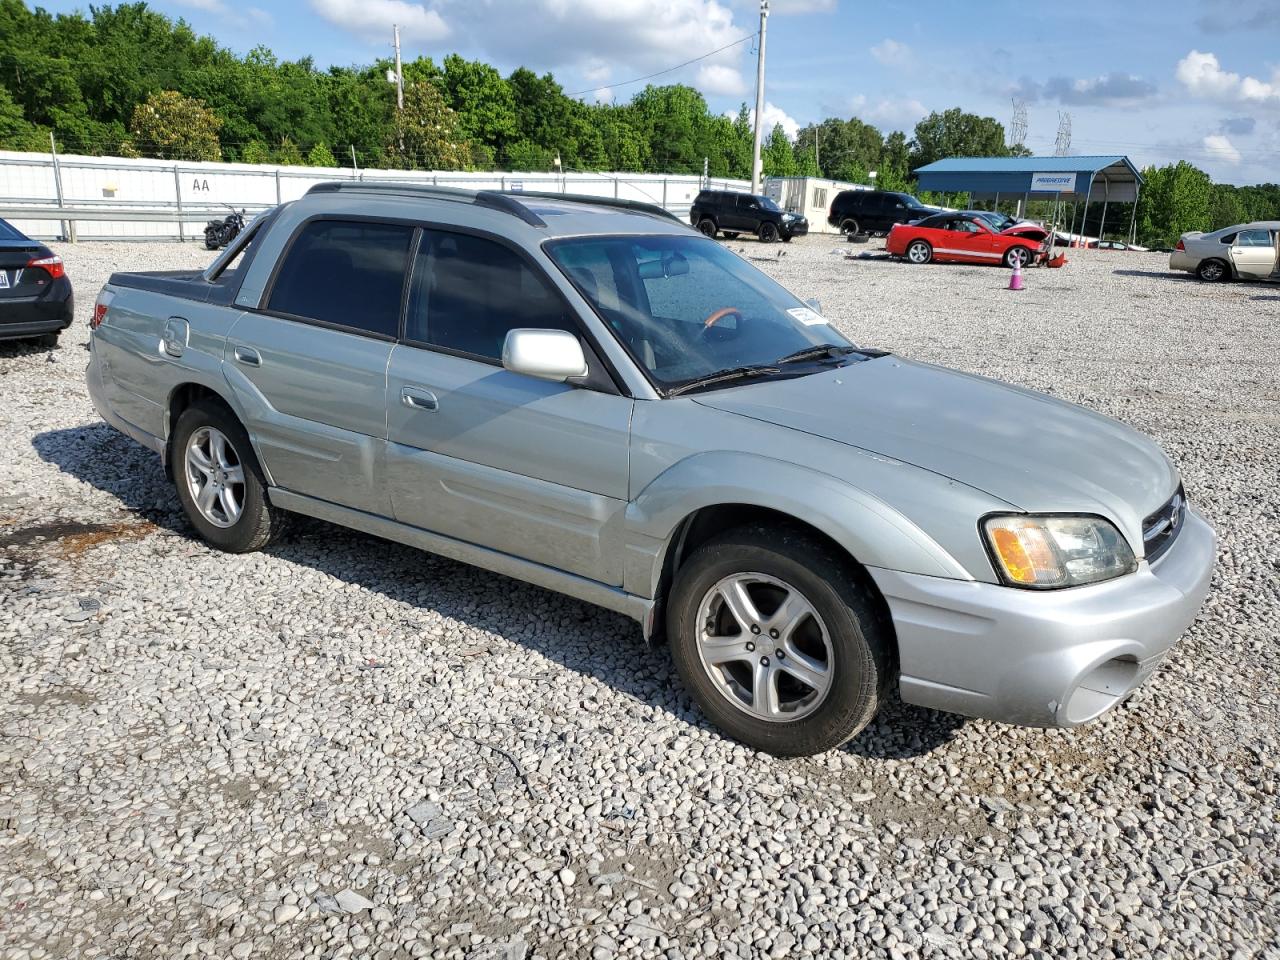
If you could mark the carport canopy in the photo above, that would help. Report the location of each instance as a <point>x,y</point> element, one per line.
<point>1099,179</point>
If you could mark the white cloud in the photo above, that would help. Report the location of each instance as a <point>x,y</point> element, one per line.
<point>585,43</point>
<point>1203,76</point>
<point>720,80</point>
<point>1219,147</point>
<point>602,95</point>
<point>890,52</point>
<point>887,113</point>
<point>374,19</point>
<point>773,115</point>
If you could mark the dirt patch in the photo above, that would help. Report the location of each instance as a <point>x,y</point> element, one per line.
<point>74,539</point>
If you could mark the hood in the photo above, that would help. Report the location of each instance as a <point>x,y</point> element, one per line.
<point>1036,453</point>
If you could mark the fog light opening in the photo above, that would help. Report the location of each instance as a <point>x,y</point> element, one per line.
<point>1101,689</point>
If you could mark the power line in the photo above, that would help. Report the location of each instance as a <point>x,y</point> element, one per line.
<point>627,83</point>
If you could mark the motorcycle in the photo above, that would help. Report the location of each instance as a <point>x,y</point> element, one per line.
<point>219,233</point>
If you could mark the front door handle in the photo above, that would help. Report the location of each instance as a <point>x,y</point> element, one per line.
<point>419,399</point>
<point>248,356</point>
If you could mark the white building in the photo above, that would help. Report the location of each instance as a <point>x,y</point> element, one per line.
<point>809,196</point>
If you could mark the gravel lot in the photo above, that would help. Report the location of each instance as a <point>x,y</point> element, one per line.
<point>344,748</point>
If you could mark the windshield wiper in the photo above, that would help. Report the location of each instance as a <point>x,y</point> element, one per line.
<point>821,352</point>
<point>723,376</point>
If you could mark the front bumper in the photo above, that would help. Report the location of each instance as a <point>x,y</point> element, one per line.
<point>794,228</point>
<point>1055,658</point>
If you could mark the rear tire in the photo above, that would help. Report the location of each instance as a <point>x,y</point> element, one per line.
<point>49,341</point>
<point>767,233</point>
<point>919,252</point>
<point>1213,271</point>
<point>849,227</point>
<point>220,484</point>
<point>829,627</point>
<point>210,240</point>
<point>707,227</point>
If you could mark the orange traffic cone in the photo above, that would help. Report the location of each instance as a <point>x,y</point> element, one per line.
<point>1015,281</point>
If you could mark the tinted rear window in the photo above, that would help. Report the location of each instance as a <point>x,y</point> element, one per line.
<point>348,273</point>
<point>8,233</point>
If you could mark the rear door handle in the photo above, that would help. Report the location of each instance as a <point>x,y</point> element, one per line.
<point>419,399</point>
<point>248,356</point>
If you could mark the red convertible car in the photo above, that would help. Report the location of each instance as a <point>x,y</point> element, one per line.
<point>965,238</point>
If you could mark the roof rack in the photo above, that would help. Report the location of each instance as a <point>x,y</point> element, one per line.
<point>506,201</point>
<point>635,206</point>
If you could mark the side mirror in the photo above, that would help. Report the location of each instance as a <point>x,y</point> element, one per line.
<point>554,355</point>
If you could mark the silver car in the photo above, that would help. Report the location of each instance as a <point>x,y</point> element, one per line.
<point>1246,251</point>
<point>590,396</point>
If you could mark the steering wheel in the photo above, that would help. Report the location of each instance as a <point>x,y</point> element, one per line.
<point>719,315</point>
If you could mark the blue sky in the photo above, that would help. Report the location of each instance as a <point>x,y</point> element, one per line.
<point>1191,79</point>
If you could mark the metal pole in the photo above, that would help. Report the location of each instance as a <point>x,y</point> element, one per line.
<point>664,193</point>
<point>399,71</point>
<point>615,188</point>
<point>755,138</point>
<point>177,192</point>
<point>1133,216</point>
<point>706,173</point>
<point>278,198</point>
<point>1106,196</point>
<point>68,228</point>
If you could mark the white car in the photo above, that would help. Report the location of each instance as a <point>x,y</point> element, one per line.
<point>1244,252</point>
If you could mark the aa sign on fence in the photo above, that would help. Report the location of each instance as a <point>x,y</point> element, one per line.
<point>1053,183</point>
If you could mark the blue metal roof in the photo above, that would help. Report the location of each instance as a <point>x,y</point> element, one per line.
<point>1073,178</point>
<point>1028,165</point>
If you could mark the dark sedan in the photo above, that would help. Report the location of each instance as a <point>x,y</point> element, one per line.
<point>35,292</point>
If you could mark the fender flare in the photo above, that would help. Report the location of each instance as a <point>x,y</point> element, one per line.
<point>865,526</point>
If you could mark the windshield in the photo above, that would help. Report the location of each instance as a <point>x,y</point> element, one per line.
<point>768,204</point>
<point>686,307</point>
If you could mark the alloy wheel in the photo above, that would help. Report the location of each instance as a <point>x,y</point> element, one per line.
<point>764,647</point>
<point>215,476</point>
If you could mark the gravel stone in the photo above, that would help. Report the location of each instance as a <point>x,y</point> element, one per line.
<point>195,764</point>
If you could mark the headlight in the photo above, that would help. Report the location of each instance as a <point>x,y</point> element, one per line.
<point>1043,552</point>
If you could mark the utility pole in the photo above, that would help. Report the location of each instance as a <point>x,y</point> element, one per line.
<point>755,140</point>
<point>399,71</point>
<point>817,137</point>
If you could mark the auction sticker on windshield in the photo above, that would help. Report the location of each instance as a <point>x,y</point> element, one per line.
<point>809,318</point>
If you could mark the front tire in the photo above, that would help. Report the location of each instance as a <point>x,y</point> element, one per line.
<point>778,640</point>
<point>919,252</point>
<point>707,227</point>
<point>1019,254</point>
<point>220,484</point>
<point>1213,271</point>
<point>768,233</point>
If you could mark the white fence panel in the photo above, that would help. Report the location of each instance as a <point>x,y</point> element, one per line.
<point>202,191</point>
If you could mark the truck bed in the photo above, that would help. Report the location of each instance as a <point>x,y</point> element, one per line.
<point>183,284</point>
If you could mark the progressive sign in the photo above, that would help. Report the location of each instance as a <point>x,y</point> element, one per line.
<point>1053,183</point>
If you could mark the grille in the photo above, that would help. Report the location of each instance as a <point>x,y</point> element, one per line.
<point>1160,529</point>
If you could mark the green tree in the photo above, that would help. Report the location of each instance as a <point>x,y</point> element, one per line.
<point>255,152</point>
<point>776,155</point>
<point>846,149</point>
<point>1225,207</point>
<point>482,100</point>
<point>425,134</point>
<point>1174,199</point>
<point>174,127</point>
<point>954,133</point>
<point>288,153</point>
<point>15,132</point>
<point>321,156</point>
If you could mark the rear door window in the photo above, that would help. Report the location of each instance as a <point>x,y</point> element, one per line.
<point>345,273</point>
<point>468,292</point>
<point>1253,238</point>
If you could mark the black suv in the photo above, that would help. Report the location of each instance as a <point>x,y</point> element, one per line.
<point>875,211</point>
<point>732,213</point>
